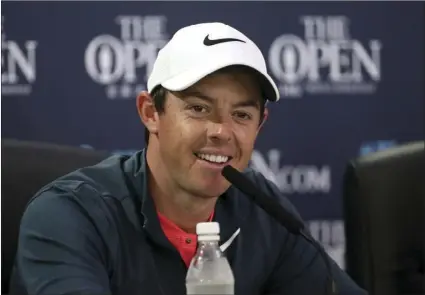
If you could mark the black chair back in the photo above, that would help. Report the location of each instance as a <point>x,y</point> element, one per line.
<point>384,212</point>
<point>25,168</point>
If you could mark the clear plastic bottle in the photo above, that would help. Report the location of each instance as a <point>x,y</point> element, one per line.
<point>209,271</point>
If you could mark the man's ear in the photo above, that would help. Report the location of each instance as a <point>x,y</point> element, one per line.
<point>147,112</point>
<point>265,116</point>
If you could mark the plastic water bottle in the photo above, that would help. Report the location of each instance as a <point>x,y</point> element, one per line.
<point>209,271</point>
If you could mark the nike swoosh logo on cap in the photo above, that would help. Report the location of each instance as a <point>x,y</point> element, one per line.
<point>226,244</point>
<point>211,42</point>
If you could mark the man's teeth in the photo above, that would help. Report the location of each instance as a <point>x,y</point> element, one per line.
<point>213,158</point>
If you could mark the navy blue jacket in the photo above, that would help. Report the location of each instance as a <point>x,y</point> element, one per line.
<point>95,231</point>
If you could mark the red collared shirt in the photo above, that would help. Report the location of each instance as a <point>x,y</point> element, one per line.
<point>184,242</point>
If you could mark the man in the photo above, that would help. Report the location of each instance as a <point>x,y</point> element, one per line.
<point>127,225</point>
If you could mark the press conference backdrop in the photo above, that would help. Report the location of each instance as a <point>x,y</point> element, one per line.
<point>351,76</point>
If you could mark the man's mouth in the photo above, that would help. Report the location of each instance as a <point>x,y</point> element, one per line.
<point>216,159</point>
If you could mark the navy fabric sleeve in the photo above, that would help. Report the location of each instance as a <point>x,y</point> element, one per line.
<point>300,270</point>
<point>60,250</point>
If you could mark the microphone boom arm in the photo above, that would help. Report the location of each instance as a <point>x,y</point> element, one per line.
<point>280,214</point>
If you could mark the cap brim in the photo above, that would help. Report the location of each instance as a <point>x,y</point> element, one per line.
<point>190,77</point>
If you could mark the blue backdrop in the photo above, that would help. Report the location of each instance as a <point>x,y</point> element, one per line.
<point>351,76</point>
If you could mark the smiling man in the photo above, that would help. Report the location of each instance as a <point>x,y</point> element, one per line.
<point>126,225</point>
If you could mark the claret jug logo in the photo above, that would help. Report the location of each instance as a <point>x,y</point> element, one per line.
<point>123,64</point>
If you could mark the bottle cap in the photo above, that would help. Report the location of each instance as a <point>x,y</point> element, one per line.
<point>208,228</point>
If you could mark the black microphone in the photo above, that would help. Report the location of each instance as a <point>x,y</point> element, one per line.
<point>278,212</point>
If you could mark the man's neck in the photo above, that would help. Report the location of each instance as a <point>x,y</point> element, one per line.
<point>180,207</point>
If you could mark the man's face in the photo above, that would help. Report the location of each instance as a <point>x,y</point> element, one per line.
<point>206,127</point>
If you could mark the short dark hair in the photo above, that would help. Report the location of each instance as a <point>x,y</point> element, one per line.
<point>159,94</point>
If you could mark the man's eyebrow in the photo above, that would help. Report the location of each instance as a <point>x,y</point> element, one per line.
<point>248,103</point>
<point>251,102</point>
<point>195,93</point>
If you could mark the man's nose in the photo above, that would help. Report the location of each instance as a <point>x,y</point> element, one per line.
<point>219,132</point>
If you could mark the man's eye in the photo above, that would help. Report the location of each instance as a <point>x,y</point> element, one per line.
<point>242,115</point>
<point>198,109</point>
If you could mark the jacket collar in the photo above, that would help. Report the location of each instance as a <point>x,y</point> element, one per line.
<point>230,212</point>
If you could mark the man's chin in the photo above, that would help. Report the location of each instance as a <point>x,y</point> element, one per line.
<point>208,183</point>
<point>211,191</point>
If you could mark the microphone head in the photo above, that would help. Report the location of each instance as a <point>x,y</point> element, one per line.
<point>240,181</point>
<point>230,173</point>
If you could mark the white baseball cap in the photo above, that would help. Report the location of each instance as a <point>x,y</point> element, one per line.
<point>198,50</point>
